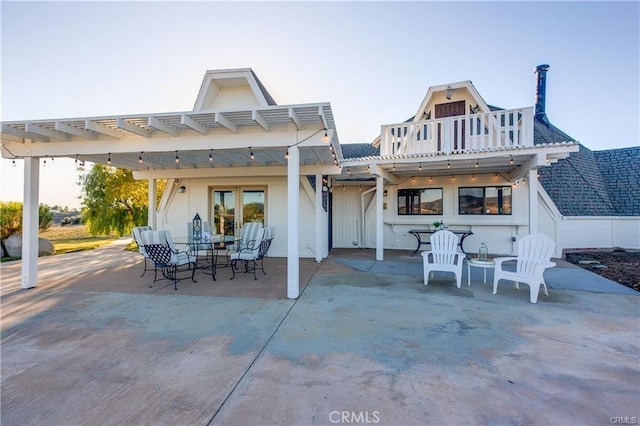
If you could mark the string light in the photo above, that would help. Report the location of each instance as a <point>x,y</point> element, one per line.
<point>349,172</point>
<point>420,166</point>
<point>109,159</point>
<point>430,178</point>
<point>325,139</point>
<point>394,167</point>
<point>453,177</point>
<point>140,158</point>
<point>473,177</point>
<point>251,154</point>
<point>210,156</point>
<point>177,158</point>
<point>76,159</point>
<point>511,160</point>
<point>343,188</point>
<point>476,163</point>
<point>360,188</point>
<point>13,162</point>
<point>286,154</point>
<point>448,164</point>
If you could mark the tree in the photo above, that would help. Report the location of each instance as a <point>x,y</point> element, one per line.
<point>11,218</point>
<point>113,201</point>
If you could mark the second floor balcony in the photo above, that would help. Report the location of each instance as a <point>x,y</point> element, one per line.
<point>496,130</point>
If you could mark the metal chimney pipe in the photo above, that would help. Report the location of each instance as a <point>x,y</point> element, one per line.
<point>541,92</point>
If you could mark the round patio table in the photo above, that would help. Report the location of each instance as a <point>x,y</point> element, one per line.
<point>484,264</point>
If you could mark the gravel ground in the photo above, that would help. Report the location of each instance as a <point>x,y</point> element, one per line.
<point>621,266</point>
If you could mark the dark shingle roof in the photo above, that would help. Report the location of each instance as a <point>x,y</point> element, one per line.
<point>576,186</point>
<point>359,150</point>
<point>620,170</point>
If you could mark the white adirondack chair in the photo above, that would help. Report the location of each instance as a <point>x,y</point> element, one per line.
<point>534,256</point>
<point>443,256</point>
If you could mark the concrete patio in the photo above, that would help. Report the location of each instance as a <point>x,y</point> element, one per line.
<point>366,342</point>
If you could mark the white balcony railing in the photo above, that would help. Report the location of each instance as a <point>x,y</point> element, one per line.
<point>459,134</point>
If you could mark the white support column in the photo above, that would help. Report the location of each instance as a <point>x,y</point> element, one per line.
<point>293,232</point>
<point>379,218</point>
<point>151,212</point>
<point>532,180</point>
<point>30,223</point>
<point>319,185</point>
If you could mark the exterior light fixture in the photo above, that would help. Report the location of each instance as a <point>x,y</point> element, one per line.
<point>182,189</point>
<point>13,162</point>
<point>449,93</point>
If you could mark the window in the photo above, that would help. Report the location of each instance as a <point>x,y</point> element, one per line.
<point>420,201</point>
<point>492,200</point>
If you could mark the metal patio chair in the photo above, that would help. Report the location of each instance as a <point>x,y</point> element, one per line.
<point>167,258</point>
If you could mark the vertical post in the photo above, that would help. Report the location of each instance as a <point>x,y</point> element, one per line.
<point>151,212</point>
<point>30,223</point>
<point>293,238</point>
<point>379,219</point>
<point>532,180</point>
<point>319,185</point>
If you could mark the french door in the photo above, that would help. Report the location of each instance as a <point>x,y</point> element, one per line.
<point>232,207</point>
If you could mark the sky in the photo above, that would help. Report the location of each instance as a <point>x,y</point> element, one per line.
<point>373,61</point>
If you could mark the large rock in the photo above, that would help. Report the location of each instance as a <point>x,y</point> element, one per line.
<point>13,244</point>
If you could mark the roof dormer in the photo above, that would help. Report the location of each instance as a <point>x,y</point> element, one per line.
<point>446,100</point>
<point>232,89</point>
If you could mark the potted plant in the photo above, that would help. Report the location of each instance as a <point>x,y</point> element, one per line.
<point>436,225</point>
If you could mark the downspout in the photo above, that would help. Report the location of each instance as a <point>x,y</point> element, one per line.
<point>362,212</point>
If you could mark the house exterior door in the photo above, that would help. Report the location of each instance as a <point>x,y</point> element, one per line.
<point>233,207</point>
<point>452,109</point>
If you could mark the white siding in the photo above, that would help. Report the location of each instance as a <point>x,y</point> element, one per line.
<point>196,199</point>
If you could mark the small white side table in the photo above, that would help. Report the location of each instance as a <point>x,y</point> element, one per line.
<point>484,264</point>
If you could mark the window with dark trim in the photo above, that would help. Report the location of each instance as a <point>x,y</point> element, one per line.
<point>420,201</point>
<point>489,200</point>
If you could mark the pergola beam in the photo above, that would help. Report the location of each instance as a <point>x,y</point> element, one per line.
<point>259,120</point>
<point>72,130</point>
<point>226,123</point>
<point>162,126</point>
<point>44,131</point>
<point>125,125</point>
<point>295,119</point>
<point>10,130</point>
<point>193,124</point>
<point>99,128</point>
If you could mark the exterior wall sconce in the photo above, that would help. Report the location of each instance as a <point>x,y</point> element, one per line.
<point>182,189</point>
<point>449,93</point>
<point>385,193</point>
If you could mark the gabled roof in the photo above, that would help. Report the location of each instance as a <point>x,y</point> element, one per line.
<point>453,88</point>
<point>232,88</point>
<point>620,170</point>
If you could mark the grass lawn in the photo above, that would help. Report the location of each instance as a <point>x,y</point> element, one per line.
<point>67,239</point>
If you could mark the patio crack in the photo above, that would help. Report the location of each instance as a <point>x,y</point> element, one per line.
<point>246,371</point>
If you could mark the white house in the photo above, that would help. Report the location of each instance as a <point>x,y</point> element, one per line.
<point>238,157</point>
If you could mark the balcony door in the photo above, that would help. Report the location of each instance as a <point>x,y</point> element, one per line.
<point>232,207</point>
<point>452,109</point>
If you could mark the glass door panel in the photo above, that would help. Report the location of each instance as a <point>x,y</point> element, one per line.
<point>252,206</point>
<point>233,207</point>
<point>224,208</point>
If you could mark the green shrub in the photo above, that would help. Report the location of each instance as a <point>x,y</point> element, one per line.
<point>11,218</point>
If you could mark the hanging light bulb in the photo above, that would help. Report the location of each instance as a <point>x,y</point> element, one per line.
<point>109,159</point>
<point>286,154</point>
<point>511,160</point>
<point>140,158</point>
<point>325,138</point>
<point>420,166</point>
<point>360,188</point>
<point>476,163</point>
<point>349,172</point>
<point>343,188</point>
<point>394,167</point>
<point>76,159</point>
<point>430,178</point>
<point>251,154</point>
<point>210,156</point>
<point>473,177</point>
<point>177,158</point>
<point>44,163</point>
<point>448,164</point>
<point>13,162</point>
